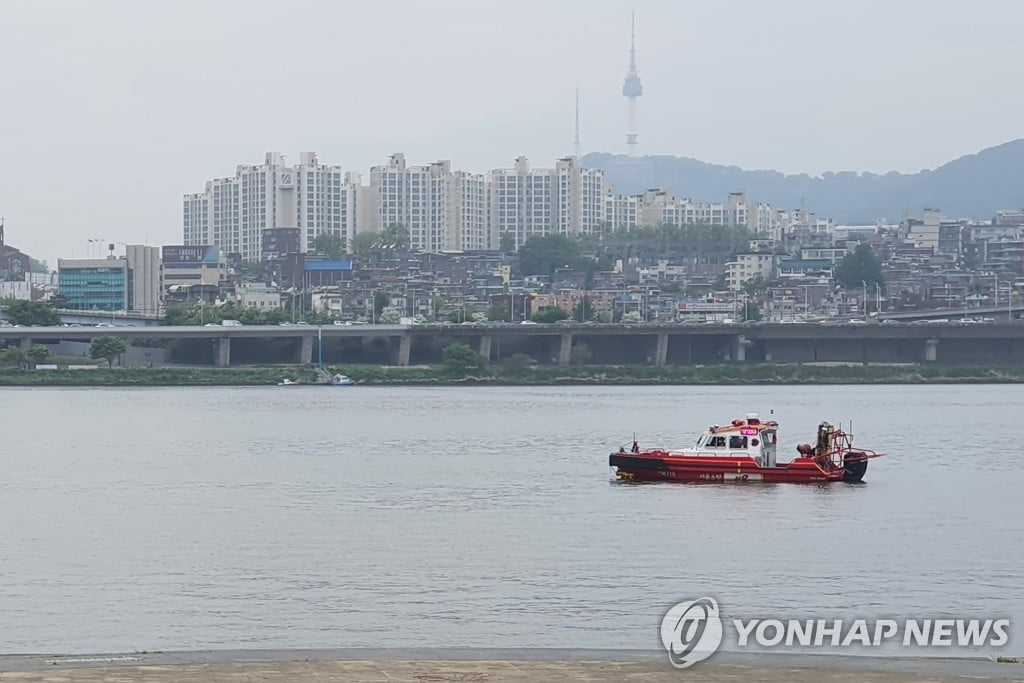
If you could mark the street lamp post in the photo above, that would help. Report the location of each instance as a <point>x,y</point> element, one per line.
<point>863,282</point>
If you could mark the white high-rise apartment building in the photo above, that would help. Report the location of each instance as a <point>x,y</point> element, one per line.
<point>442,209</point>
<point>474,229</point>
<point>565,200</point>
<point>661,207</point>
<point>620,210</point>
<point>233,212</point>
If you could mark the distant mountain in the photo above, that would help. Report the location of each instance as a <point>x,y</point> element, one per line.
<point>973,186</point>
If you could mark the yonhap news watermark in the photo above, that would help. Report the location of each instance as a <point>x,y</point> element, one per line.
<point>692,631</point>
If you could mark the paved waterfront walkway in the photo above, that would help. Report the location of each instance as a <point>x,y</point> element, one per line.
<point>442,666</point>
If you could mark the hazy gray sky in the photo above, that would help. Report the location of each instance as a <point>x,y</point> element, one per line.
<point>111,110</point>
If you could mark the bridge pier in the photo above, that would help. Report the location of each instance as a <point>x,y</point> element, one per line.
<point>223,351</point>
<point>485,346</point>
<point>404,349</point>
<point>26,343</point>
<point>931,350</point>
<point>661,350</point>
<point>739,347</point>
<point>565,349</point>
<point>306,351</point>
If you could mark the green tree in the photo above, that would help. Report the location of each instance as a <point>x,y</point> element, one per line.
<point>273,316</point>
<point>460,359</point>
<point>859,267</point>
<point>551,314</point>
<point>583,310</point>
<point>632,317</point>
<point>22,312</point>
<point>389,316</point>
<point>542,254</point>
<point>460,315</point>
<point>330,245</point>
<point>39,353</point>
<point>436,304</point>
<point>108,348</point>
<point>188,315</point>
<point>749,312</point>
<point>498,312</point>
<point>364,243</point>
<point>396,235</point>
<point>380,302</point>
<point>13,355</point>
<point>507,243</point>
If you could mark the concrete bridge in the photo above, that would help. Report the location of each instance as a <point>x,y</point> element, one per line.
<point>611,344</point>
<point>78,317</point>
<point>1004,312</point>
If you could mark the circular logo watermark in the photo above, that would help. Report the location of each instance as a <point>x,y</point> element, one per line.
<point>691,632</point>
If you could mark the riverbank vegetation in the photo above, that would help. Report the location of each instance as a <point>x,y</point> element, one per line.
<point>460,369</point>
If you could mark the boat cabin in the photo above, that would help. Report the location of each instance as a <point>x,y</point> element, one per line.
<point>741,438</point>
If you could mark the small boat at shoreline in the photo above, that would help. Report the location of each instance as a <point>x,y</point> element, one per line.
<point>324,378</point>
<point>745,450</point>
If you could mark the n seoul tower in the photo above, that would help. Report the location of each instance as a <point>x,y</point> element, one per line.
<point>632,89</point>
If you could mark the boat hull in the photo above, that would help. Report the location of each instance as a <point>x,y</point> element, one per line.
<point>661,466</point>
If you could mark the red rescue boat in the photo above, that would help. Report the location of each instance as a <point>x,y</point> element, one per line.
<point>745,450</point>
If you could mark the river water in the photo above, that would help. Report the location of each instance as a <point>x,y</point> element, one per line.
<point>179,518</point>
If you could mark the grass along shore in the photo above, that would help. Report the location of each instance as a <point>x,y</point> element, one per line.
<point>763,373</point>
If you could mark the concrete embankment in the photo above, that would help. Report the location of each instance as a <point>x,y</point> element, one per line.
<point>535,666</point>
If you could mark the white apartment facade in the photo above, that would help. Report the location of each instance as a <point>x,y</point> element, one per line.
<point>565,200</point>
<point>233,212</point>
<point>442,209</point>
<point>474,230</point>
<point>662,207</point>
<point>746,267</point>
<point>621,211</point>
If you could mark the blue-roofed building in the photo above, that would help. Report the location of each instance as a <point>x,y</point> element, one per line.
<point>325,273</point>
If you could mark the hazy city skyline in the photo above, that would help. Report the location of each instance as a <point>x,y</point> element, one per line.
<point>113,110</point>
